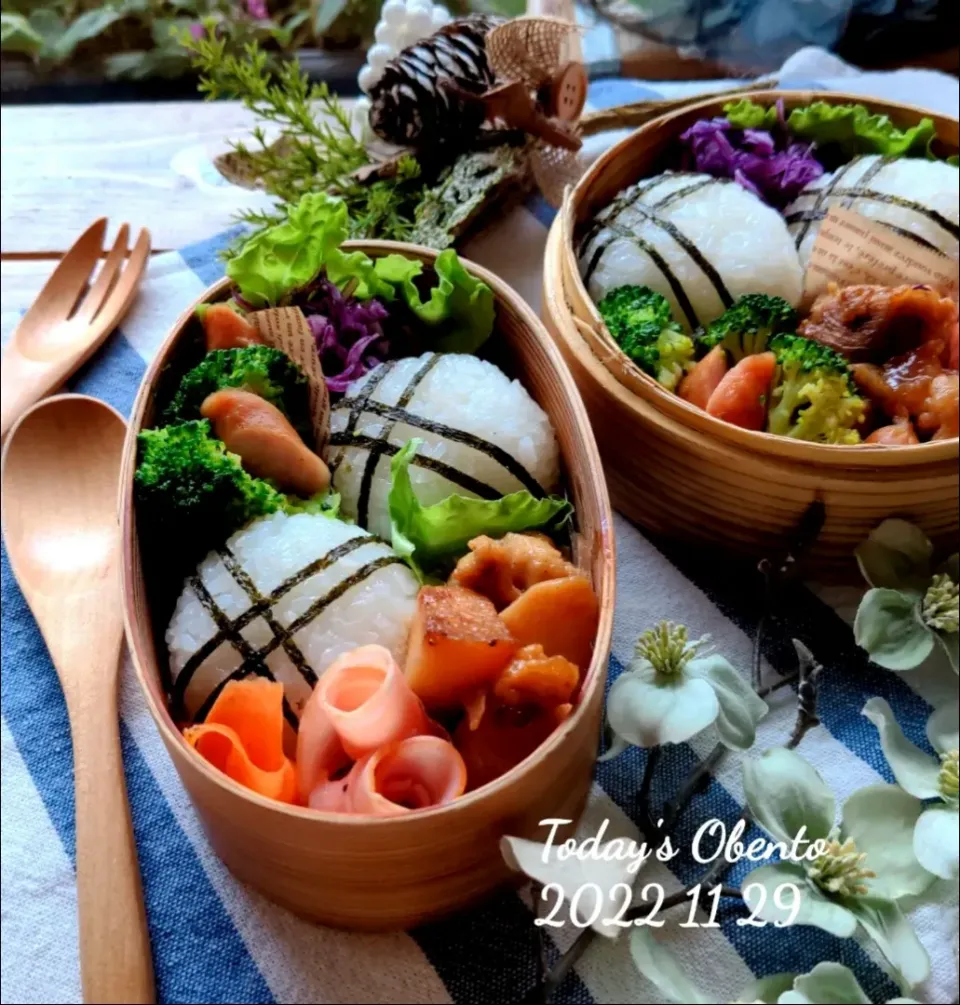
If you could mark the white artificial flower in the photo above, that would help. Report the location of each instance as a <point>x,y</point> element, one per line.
<point>932,781</point>
<point>864,866</point>
<point>673,690</point>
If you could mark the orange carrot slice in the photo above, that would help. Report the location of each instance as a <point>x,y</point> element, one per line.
<point>700,382</point>
<point>742,395</point>
<point>243,737</point>
<point>225,328</point>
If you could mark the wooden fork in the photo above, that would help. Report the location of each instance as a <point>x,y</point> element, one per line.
<point>71,317</point>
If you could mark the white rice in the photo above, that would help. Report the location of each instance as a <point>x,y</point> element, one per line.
<point>930,187</point>
<point>743,239</point>
<point>463,393</point>
<point>377,609</point>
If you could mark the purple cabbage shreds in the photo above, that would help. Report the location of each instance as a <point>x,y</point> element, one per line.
<point>348,332</point>
<point>768,165</point>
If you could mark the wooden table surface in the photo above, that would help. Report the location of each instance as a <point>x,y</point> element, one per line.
<point>148,164</point>
<point>144,163</point>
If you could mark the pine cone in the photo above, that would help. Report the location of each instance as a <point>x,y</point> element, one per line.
<point>409,104</point>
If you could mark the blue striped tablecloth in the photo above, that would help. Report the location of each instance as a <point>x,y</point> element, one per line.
<point>216,941</point>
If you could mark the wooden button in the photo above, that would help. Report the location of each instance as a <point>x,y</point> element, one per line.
<point>568,91</point>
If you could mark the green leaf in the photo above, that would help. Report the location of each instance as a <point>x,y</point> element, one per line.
<point>166,60</point>
<point>165,30</point>
<point>663,969</point>
<point>943,727</point>
<point>884,922</point>
<point>460,306</point>
<point>889,628</point>
<point>325,13</point>
<point>896,556</point>
<point>425,536</point>
<point>88,25</point>
<point>747,114</point>
<point>280,259</point>
<point>915,771</point>
<point>647,709</point>
<point>815,907</point>
<point>936,841</point>
<point>740,707</point>
<point>18,35</point>
<point>857,131</point>
<point>881,819</point>
<point>828,984</point>
<point>283,33</point>
<point>50,26</point>
<point>786,794</point>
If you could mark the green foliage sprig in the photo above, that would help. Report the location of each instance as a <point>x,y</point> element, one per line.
<point>316,149</point>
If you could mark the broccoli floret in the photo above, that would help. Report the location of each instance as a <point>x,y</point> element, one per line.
<point>191,487</point>
<point>639,320</point>
<point>813,398</point>
<point>261,369</point>
<point>747,327</point>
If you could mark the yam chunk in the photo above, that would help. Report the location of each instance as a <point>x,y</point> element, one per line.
<point>458,644</point>
<point>560,614</point>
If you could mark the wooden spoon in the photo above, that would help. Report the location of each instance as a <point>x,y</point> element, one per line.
<point>72,315</point>
<point>60,477</point>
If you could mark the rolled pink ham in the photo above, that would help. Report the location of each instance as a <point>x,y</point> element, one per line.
<point>368,701</point>
<point>411,774</point>
<point>320,753</point>
<point>361,703</point>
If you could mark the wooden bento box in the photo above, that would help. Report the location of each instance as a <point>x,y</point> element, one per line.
<point>388,873</point>
<point>675,469</point>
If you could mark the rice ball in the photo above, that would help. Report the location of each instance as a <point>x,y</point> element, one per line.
<point>483,435</point>
<point>910,195</point>
<point>285,596</point>
<point>701,241</point>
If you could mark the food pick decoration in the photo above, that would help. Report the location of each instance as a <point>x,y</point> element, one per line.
<point>480,75</point>
<point>542,93</point>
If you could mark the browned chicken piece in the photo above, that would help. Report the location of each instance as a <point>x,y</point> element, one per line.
<point>502,569</point>
<point>268,446</point>
<point>874,323</point>
<point>941,410</point>
<point>902,385</point>
<point>225,328</point>
<point>533,678</point>
<point>899,433</point>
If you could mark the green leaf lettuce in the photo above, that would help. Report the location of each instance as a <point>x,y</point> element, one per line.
<point>853,127</point>
<point>460,307</point>
<point>427,536</point>
<point>280,259</point>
